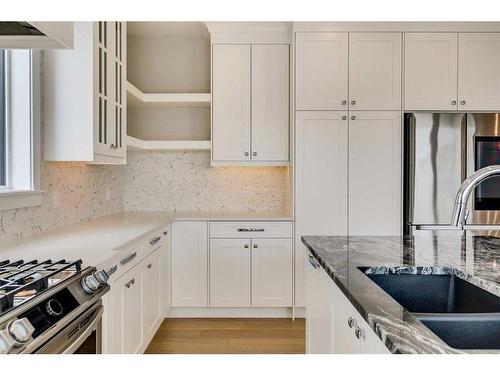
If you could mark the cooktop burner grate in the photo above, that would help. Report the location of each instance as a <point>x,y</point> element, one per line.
<point>21,281</point>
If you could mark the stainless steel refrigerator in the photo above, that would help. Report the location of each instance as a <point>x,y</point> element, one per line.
<point>440,151</point>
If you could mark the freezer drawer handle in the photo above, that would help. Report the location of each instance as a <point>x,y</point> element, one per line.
<point>251,229</point>
<point>129,258</point>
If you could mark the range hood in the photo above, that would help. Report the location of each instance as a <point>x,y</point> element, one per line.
<point>36,35</point>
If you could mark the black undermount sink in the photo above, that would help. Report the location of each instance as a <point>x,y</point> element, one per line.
<point>463,315</point>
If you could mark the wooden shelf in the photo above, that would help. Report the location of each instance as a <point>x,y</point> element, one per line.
<point>136,98</point>
<point>139,144</point>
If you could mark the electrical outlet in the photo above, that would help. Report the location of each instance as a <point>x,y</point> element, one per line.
<point>56,198</point>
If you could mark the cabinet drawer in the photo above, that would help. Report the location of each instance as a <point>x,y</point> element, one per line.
<point>251,229</point>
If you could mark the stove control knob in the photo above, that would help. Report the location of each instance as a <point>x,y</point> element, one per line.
<point>21,331</point>
<point>6,342</point>
<point>90,284</point>
<point>101,276</point>
<point>54,308</point>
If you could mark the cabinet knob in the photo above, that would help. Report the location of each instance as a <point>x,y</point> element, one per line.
<point>462,102</point>
<point>255,246</point>
<point>353,102</point>
<point>246,153</point>
<point>246,246</point>
<point>453,102</point>
<point>254,153</point>
<point>344,102</point>
<point>149,266</point>
<point>358,332</point>
<point>353,117</point>
<point>344,117</point>
<point>350,322</point>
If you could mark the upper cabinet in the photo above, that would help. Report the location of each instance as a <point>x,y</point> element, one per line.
<point>339,71</point>
<point>36,35</point>
<point>322,71</point>
<point>84,96</point>
<point>250,111</point>
<point>375,71</point>
<point>452,71</point>
<point>479,71</point>
<point>431,71</point>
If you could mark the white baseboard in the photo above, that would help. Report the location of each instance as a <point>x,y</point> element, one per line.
<point>231,312</point>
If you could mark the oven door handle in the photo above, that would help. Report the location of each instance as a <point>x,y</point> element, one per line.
<point>82,336</point>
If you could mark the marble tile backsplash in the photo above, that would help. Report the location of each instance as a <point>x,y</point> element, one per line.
<point>82,190</point>
<point>185,181</point>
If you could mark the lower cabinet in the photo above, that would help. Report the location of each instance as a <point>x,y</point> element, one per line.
<point>190,264</point>
<point>272,265</point>
<point>230,272</point>
<point>152,291</point>
<point>333,325</point>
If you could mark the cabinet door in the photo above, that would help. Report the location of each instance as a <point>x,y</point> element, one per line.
<point>231,102</point>
<point>321,181</point>
<point>319,311</point>
<point>375,173</point>
<point>230,272</point>
<point>166,270</point>
<point>270,102</point>
<point>190,264</point>
<point>321,71</point>
<point>152,290</point>
<point>375,71</point>
<point>119,88</point>
<point>129,311</point>
<point>479,71</point>
<point>345,321</point>
<point>431,71</point>
<point>272,265</point>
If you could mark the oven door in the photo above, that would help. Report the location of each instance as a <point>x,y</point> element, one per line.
<point>81,336</point>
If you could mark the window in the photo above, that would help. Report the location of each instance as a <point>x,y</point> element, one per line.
<point>19,128</point>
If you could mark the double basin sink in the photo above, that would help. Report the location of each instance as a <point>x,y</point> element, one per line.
<point>463,315</point>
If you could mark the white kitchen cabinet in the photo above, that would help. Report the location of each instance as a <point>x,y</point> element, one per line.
<point>250,111</point>
<point>333,325</point>
<point>231,102</point>
<point>272,265</point>
<point>319,310</point>
<point>479,71</point>
<point>431,71</point>
<point>153,286</point>
<point>166,269</point>
<point>84,96</point>
<point>230,272</point>
<point>375,173</point>
<point>375,64</point>
<point>129,311</point>
<point>190,264</point>
<point>322,71</point>
<point>320,182</point>
<point>270,102</point>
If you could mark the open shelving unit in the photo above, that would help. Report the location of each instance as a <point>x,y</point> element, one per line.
<point>168,88</point>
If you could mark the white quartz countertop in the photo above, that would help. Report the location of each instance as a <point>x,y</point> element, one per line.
<point>100,239</point>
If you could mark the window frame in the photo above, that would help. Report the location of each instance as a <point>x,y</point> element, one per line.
<point>29,194</point>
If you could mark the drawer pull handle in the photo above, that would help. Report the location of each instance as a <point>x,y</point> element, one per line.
<point>251,229</point>
<point>350,322</point>
<point>358,332</point>
<point>313,262</point>
<point>112,270</point>
<point>149,266</point>
<point>129,258</point>
<point>154,240</point>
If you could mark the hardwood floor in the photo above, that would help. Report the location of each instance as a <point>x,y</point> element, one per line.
<point>229,336</point>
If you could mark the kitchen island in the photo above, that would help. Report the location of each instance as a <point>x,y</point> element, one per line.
<point>470,257</point>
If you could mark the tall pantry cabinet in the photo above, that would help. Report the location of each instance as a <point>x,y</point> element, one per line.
<point>348,137</point>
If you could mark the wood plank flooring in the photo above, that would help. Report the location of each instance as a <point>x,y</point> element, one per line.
<point>229,336</point>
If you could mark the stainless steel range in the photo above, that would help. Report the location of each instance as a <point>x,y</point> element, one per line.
<point>50,307</point>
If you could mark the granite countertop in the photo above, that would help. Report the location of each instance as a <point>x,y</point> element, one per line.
<point>98,240</point>
<point>471,257</point>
